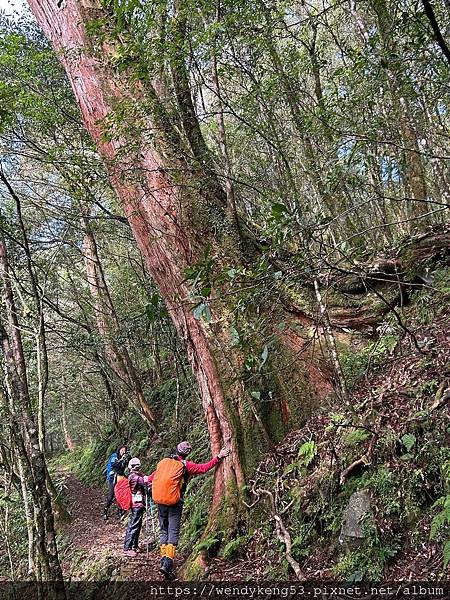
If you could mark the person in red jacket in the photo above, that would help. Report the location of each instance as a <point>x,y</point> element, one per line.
<point>170,515</point>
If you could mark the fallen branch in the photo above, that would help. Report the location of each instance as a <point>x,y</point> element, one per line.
<point>360,462</point>
<point>441,397</point>
<point>283,535</point>
<point>364,461</point>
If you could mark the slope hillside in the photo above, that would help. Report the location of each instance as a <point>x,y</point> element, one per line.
<point>383,460</point>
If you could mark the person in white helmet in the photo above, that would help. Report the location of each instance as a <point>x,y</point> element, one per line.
<point>137,486</point>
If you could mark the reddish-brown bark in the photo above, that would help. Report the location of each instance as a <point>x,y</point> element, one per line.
<point>175,212</point>
<point>151,206</point>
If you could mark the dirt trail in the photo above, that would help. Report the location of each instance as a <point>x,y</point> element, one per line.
<point>93,543</point>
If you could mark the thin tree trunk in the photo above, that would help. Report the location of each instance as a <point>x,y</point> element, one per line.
<point>41,345</point>
<point>108,325</point>
<point>27,438</point>
<point>223,145</point>
<point>331,342</point>
<point>411,164</point>
<point>28,516</point>
<point>64,425</point>
<point>6,531</point>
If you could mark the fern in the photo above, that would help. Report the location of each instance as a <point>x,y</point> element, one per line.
<point>446,553</point>
<point>307,452</point>
<point>442,518</point>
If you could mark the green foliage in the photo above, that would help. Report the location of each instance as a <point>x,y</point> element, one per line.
<point>207,543</point>
<point>234,548</point>
<point>368,561</point>
<point>446,554</point>
<point>428,387</point>
<point>440,525</point>
<point>307,452</point>
<point>442,519</point>
<point>426,304</point>
<point>355,437</point>
<point>304,539</point>
<point>356,364</point>
<point>196,507</point>
<point>16,535</point>
<point>409,441</point>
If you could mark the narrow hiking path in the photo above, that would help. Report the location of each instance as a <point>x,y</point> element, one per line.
<point>94,547</point>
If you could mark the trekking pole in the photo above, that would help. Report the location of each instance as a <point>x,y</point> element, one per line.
<point>153,519</point>
<point>146,522</point>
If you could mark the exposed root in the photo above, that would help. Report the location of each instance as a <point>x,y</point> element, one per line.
<point>283,535</point>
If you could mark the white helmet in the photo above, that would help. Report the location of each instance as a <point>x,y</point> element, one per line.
<point>134,462</point>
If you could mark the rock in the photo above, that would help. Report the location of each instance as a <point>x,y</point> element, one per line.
<point>354,523</point>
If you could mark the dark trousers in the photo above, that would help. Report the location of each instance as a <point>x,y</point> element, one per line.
<point>133,528</point>
<point>169,522</point>
<point>110,497</point>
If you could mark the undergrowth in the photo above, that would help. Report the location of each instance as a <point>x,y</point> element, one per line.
<point>397,433</point>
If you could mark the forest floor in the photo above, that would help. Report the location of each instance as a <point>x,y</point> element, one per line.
<point>95,547</point>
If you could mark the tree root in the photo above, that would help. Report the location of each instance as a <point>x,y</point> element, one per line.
<point>283,534</point>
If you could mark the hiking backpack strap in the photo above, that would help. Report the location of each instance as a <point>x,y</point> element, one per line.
<point>184,477</point>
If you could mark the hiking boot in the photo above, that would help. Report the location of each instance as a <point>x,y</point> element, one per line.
<point>166,568</point>
<point>130,553</point>
<point>105,514</point>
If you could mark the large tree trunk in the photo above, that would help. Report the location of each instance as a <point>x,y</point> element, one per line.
<point>178,214</point>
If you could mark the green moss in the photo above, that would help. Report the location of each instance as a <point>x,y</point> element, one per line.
<point>192,569</point>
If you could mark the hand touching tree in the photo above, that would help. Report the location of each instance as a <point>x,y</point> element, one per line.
<point>225,451</point>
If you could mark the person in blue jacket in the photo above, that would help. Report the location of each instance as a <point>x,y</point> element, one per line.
<point>116,465</point>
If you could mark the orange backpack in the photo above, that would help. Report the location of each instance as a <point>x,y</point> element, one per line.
<point>168,481</point>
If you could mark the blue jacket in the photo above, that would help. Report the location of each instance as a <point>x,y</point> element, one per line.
<point>109,470</point>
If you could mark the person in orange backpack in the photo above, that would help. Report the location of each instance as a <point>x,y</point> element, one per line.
<point>169,482</point>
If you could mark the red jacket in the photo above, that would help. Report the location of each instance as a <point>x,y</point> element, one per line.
<point>193,468</point>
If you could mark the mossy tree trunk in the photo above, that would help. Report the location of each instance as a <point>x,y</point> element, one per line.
<point>256,358</point>
<point>178,213</point>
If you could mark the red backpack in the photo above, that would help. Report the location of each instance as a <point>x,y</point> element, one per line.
<point>122,492</point>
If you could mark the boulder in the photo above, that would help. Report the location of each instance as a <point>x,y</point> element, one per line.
<point>354,523</point>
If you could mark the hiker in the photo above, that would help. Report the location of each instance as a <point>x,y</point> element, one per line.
<point>169,482</point>
<point>117,464</point>
<point>138,487</point>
